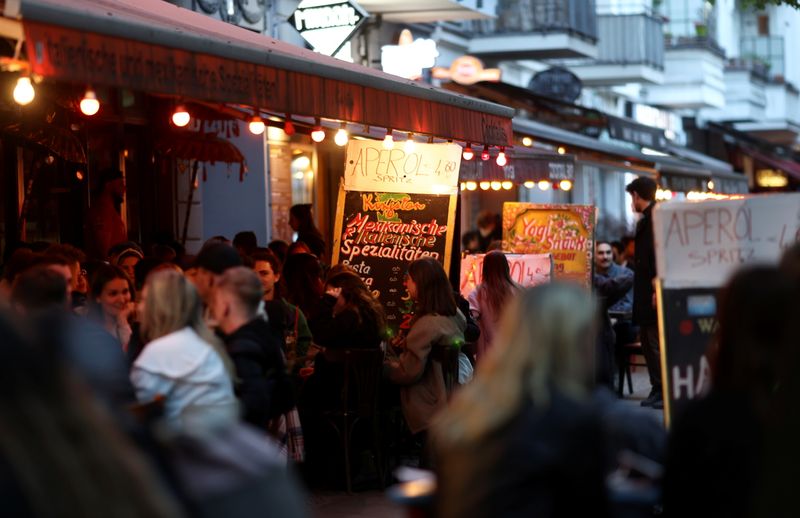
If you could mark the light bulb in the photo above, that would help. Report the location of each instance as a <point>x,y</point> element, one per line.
<point>463,186</point>
<point>561,150</point>
<point>181,117</point>
<point>527,141</point>
<point>410,145</point>
<point>544,185</point>
<point>388,140</point>
<point>496,186</point>
<point>508,185</point>
<point>485,153</point>
<point>89,104</point>
<point>501,159</point>
<point>529,184</point>
<point>565,185</point>
<point>341,136</point>
<point>710,185</point>
<point>24,92</point>
<point>468,153</point>
<point>257,125</point>
<point>485,185</point>
<point>318,134</point>
<point>471,186</point>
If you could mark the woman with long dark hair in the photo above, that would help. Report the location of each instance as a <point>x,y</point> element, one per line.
<point>111,302</point>
<point>437,322</point>
<point>488,301</point>
<point>302,221</point>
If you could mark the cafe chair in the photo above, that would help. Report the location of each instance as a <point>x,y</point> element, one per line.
<point>447,358</point>
<point>625,353</point>
<point>358,403</point>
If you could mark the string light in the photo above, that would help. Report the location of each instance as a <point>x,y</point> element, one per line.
<point>496,186</point>
<point>317,133</point>
<point>388,140</point>
<point>89,104</point>
<point>485,154</point>
<point>710,185</point>
<point>288,127</point>
<point>544,185</point>
<point>485,185</point>
<point>180,116</point>
<point>508,185</point>
<point>257,125</point>
<point>501,157</point>
<point>463,186</point>
<point>527,141</point>
<point>23,91</point>
<point>565,185</point>
<point>342,136</point>
<point>561,150</point>
<point>468,153</point>
<point>529,184</point>
<point>410,145</point>
<point>471,186</point>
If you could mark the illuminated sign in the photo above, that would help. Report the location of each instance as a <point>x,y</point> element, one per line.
<point>467,70</point>
<point>409,57</point>
<point>771,178</point>
<point>327,25</point>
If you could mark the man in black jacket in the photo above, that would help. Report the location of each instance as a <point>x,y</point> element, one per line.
<point>263,387</point>
<point>643,194</point>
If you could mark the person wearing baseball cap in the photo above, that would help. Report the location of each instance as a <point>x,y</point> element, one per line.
<point>210,264</point>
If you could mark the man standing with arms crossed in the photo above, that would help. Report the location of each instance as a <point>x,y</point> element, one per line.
<point>643,195</point>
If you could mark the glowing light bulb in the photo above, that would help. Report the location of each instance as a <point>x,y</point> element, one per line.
<point>501,158</point>
<point>89,104</point>
<point>485,185</point>
<point>508,185</point>
<point>485,153</point>
<point>565,185</point>
<point>410,145</point>
<point>710,185</point>
<point>561,150</point>
<point>496,186</point>
<point>24,92</point>
<point>181,117</point>
<point>468,153</point>
<point>388,140</point>
<point>318,134</point>
<point>529,184</point>
<point>463,186</point>
<point>257,125</point>
<point>341,136</point>
<point>471,186</point>
<point>527,141</point>
<point>544,185</point>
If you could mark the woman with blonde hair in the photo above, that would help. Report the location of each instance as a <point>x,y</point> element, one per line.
<point>521,439</point>
<point>182,359</point>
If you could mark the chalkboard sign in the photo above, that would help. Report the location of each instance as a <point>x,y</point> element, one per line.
<point>687,323</point>
<point>380,234</point>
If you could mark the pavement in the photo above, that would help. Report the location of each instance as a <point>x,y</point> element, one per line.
<point>374,504</point>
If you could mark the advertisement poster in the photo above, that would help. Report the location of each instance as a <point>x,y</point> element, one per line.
<point>526,270</point>
<point>564,231</point>
<point>687,321</point>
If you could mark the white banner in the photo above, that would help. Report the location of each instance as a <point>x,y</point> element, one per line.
<point>429,169</point>
<point>526,270</point>
<point>700,244</point>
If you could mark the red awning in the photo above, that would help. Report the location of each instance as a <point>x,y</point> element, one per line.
<point>789,167</point>
<point>154,46</point>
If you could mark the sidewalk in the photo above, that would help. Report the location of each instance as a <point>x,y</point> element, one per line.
<point>374,504</point>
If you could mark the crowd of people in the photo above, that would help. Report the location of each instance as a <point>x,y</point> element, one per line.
<point>149,382</point>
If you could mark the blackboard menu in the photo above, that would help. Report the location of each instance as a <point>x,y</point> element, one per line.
<point>688,324</point>
<point>380,234</point>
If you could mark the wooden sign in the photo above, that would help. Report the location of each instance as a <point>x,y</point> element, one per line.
<point>564,231</point>
<point>526,270</point>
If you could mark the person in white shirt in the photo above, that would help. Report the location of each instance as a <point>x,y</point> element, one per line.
<point>182,359</point>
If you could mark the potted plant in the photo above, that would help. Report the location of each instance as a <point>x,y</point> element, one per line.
<point>700,29</point>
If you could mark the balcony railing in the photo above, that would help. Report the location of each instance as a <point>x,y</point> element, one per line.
<point>630,39</point>
<point>767,50</point>
<point>576,17</point>
<point>693,42</point>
